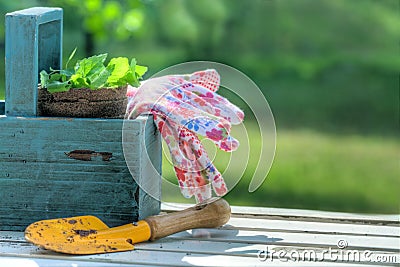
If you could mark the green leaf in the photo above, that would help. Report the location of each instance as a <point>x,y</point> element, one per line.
<point>99,80</point>
<point>90,65</point>
<point>68,72</point>
<point>70,57</point>
<point>133,79</point>
<point>133,64</point>
<point>140,70</point>
<point>56,86</point>
<point>78,81</point>
<point>92,73</point>
<point>120,73</point>
<point>55,77</point>
<point>44,78</point>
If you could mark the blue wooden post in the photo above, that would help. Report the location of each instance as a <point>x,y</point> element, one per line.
<point>2,107</point>
<point>61,167</point>
<point>33,43</point>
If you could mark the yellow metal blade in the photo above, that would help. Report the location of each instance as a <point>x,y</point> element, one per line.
<point>86,235</point>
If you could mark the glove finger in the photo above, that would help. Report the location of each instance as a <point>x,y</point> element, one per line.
<point>205,84</point>
<point>209,79</point>
<point>170,137</point>
<point>192,165</point>
<point>216,132</point>
<point>215,128</point>
<point>186,165</point>
<point>207,167</point>
<point>182,154</point>
<point>192,183</point>
<point>182,112</point>
<point>151,91</point>
<point>227,110</point>
<point>197,181</point>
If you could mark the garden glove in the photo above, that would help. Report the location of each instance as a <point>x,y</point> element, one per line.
<point>182,106</point>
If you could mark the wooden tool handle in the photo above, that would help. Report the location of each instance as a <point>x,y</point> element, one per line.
<point>212,213</point>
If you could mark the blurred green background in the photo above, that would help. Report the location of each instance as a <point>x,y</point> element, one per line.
<point>329,70</point>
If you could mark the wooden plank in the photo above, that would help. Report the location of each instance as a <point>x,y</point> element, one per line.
<point>80,124</point>
<point>297,239</point>
<point>297,214</point>
<point>28,155</point>
<point>66,196</point>
<point>312,227</point>
<point>209,247</point>
<point>65,172</point>
<point>75,138</point>
<point>222,260</point>
<point>186,255</point>
<point>15,261</point>
<point>150,181</point>
<point>168,259</point>
<point>33,42</point>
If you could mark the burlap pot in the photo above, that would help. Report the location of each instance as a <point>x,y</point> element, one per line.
<point>83,103</point>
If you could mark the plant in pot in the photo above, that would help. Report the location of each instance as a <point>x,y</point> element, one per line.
<point>90,89</point>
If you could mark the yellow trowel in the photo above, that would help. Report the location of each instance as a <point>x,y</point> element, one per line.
<point>89,235</point>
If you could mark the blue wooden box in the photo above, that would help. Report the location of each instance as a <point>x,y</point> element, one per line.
<point>42,173</point>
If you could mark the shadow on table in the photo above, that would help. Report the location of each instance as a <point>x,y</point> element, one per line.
<point>225,246</point>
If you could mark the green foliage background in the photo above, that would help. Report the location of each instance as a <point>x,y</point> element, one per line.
<point>329,70</point>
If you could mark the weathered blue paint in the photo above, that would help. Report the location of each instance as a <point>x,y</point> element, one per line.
<point>38,179</point>
<point>33,43</point>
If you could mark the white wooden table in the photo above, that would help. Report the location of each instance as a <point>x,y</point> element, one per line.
<point>253,237</point>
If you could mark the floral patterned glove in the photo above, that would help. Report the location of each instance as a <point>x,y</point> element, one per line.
<point>183,106</point>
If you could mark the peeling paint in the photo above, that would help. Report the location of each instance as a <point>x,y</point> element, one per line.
<point>86,155</point>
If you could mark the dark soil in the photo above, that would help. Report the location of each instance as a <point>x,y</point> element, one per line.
<point>83,103</point>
